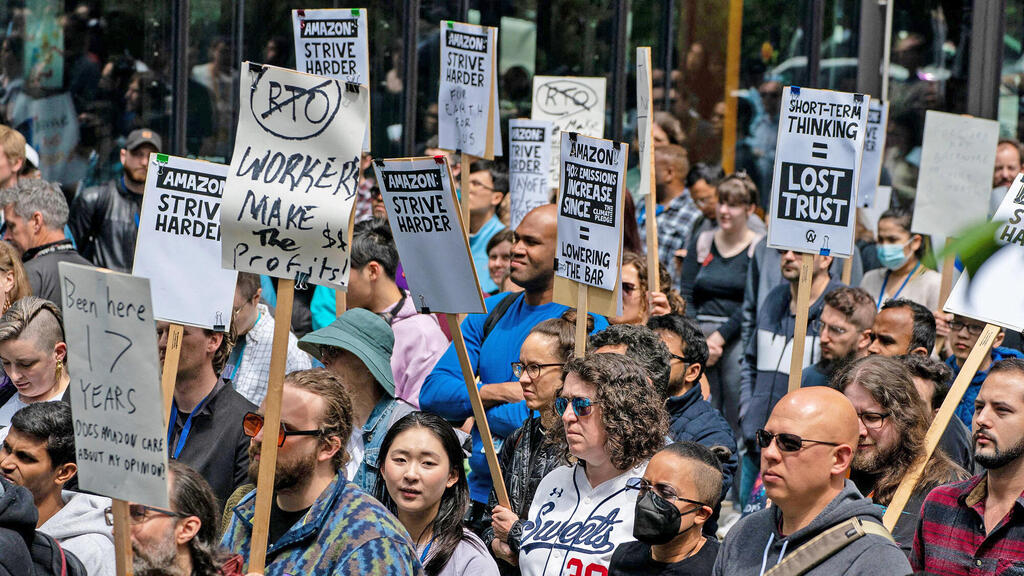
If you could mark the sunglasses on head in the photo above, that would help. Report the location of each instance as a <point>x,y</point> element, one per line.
<point>580,406</point>
<point>786,442</point>
<point>252,423</point>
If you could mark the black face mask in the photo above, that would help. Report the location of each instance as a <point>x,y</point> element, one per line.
<point>656,519</point>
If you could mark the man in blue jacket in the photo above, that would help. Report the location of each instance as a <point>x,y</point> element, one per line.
<point>492,354</point>
<point>963,335</point>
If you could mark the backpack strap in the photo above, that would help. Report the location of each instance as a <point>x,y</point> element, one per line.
<point>497,312</point>
<point>704,241</point>
<point>825,545</point>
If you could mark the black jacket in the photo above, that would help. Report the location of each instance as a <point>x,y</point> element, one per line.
<point>41,266</point>
<point>104,220</point>
<point>694,419</point>
<point>17,529</point>
<point>525,459</point>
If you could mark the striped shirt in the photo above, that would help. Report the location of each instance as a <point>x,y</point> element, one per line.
<point>951,537</point>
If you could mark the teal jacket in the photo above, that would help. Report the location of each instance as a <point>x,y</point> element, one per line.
<point>345,532</point>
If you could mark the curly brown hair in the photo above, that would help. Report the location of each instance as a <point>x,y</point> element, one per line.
<point>638,261</point>
<point>632,412</point>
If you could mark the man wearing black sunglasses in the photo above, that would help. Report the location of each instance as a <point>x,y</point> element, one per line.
<point>807,446</point>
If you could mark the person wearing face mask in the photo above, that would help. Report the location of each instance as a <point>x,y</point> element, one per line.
<point>678,492</point>
<point>902,274</point>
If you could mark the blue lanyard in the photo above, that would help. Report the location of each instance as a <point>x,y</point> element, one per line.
<point>241,352</point>
<point>185,429</point>
<point>881,293</point>
<point>423,556</point>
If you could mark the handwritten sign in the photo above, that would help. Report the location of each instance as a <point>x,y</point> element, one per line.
<point>334,42</point>
<point>467,97</point>
<point>572,104</point>
<point>529,166</point>
<point>293,176</point>
<point>955,179</point>
<point>120,433</point>
<point>993,294</point>
<point>179,244</point>
<point>430,236</point>
<point>644,117</point>
<point>874,148</point>
<point>590,210</point>
<point>817,167</point>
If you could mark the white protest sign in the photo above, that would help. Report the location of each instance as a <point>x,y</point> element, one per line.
<point>817,165</point>
<point>120,433</point>
<point>572,104</point>
<point>993,294</point>
<point>178,246</point>
<point>293,176</point>
<point>874,148</point>
<point>590,210</point>
<point>955,178</point>
<point>644,117</point>
<point>429,234</point>
<point>529,170</point>
<point>334,42</point>
<point>467,97</point>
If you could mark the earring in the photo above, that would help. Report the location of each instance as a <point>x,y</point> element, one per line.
<point>59,371</point>
<point>7,302</point>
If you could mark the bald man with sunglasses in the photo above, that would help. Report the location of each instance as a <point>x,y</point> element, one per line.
<point>807,446</point>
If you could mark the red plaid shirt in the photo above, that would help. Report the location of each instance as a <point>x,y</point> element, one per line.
<point>951,538</point>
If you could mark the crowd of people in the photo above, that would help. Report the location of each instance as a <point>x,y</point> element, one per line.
<point>672,446</point>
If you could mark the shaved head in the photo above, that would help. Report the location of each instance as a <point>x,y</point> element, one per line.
<point>546,215</point>
<point>533,250</point>
<point>825,413</point>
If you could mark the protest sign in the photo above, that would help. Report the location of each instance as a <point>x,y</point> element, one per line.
<point>467,97</point>
<point>572,104</point>
<point>293,177</point>
<point>645,144</point>
<point>529,166</point>
<point>50,125</point>
<point>590,210</point>
<point>120,427</point>
<point>334,42</point>
<point>955,178</point>
<point>817,166</point>
<point>874,147</point>
<point>179,245</point>
<point>430,234</point>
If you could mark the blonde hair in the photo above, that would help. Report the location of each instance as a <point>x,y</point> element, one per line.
<point>10,261</point>
<point>12,143</point>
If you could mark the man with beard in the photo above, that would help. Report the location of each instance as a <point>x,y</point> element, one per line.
<point>319,522</point>
<point>977,526</point>
<point>493,341</point>
<point>182,540</point>
<point>844,329</point>
<point>105,218</point>
<point>893,423</point>
<point>903,327</point>
<point>675,210</point>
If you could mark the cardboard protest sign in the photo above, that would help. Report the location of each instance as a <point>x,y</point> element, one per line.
<point>817,168</point>
<point>874,148</point>
<point>178,247</point>
<point>572,104</point>
<point>120,430</point>
<point>955,178</point>
<point>430,235</point>
<point>334,42</point>
<point>993,294</point>
<point>293,176</point>
<point>467,98</point>
<point>529,166</point>
<point>590,210</point>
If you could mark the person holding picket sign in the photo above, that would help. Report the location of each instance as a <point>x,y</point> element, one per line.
<point>639,303</point>
<point>422,481</point>
<point>902,274</point>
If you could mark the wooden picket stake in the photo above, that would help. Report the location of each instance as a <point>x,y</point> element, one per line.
<point>945,287</point>
<point>847,270</point>
<point>732,84</point>
<point>122,538</point>
<point>271,424</point>
<point>479,415</point>
<point>582,304</point>
<point>170,368</point>
<point>341,296</point>
<point>935,431</point>
<point>650,204</point>
<point>464,161</point>
<point>803,297</point>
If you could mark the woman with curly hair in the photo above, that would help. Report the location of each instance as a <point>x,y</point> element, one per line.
<point>639,303</point>
<point>608,429</point>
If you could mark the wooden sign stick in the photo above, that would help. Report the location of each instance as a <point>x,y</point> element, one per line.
<point>931,440</point>
<point>847,270</point>
<point>945,287</point>
<point>271,424</point>
<point>479,415</point>
<point>650,204</point>
<point>122,538</point>
<point>341,296</point>
<point>803,297</point>
<point>581,319</point>
<point>464,161</point>
<point>170,369</point>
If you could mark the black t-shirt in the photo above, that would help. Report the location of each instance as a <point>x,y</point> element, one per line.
<point>634,558</point>
<point>282,520</point>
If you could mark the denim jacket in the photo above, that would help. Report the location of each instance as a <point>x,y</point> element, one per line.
<point>388,411</point>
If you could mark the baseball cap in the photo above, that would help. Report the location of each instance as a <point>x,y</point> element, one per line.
<point>141,136</point>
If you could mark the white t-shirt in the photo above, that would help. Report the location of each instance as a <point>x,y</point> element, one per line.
<point>356,450</point>
<point>574,528</point>
<point>9,408</point>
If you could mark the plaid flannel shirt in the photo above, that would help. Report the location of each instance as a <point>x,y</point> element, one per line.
<point>951,538</point>
<point>674,225</point>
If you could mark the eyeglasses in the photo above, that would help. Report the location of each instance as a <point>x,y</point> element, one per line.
<point>786,442</point>
<point>682,359</point>
<point>628,287</point>
<point>972,329</point>
<point>663,491</point>
<point>252,423</point>
<point>873,420</point>
<point>820,328</point>
<point>702,202</point>
<point>139,513</point>
<point>581,406</point>
<point>479,184</point>
<point>533,370</point>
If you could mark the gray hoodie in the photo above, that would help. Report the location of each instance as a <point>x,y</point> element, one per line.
<point>754,545</point>
<point>80,527</point>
